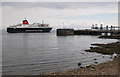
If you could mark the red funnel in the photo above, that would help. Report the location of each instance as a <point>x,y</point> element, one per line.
<point>25,22</point>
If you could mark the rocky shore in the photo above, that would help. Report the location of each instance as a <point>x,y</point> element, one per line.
<point>109,49</point>
<point>110,37</point>
<point>108,68</point>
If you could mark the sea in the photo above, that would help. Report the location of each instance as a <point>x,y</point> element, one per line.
<point>37,53</point>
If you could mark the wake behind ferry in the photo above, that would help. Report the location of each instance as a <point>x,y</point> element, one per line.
<point>25,27</point>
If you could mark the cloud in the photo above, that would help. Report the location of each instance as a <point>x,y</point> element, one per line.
<point>60,0</point>
<point>56,13</point>
<point>59,5</point>
<point>0,15</point>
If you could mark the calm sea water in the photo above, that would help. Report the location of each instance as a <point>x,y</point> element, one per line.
<point>36,53</point>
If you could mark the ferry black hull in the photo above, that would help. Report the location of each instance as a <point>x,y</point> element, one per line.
<point>28,30</point>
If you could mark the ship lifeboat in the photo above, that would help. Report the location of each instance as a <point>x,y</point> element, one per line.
<point>42,24</point>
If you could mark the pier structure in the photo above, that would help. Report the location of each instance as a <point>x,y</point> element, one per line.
<point>65,32</point>
<point>95,30</point>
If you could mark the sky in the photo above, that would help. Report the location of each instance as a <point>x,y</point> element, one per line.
<point>60,14</point>
<point>59,0</point>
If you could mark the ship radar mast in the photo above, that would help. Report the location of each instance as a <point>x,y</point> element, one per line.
<point>42,22</point>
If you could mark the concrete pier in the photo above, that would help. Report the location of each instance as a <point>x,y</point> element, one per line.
<point>95,30</point>
<point>65,32</point>
<point>87,32</point>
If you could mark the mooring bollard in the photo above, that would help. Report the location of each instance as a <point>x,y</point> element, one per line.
<point>96,26</point>
<point>92,27</point>
<point>101,26</point>
<point>106,27</point>
<point>111,27</point>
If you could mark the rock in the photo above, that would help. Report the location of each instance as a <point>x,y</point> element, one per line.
<point>79,64</point>
<point>82,67</point>
<point>95,59</point>
<point>88,65</point>
<point>114,55</point>
<point>96,62</point>
<point>92,69</point>
<point>111,57</point>
<point>118,55</point>
<point>117,42</point>
<point>82,53</point>
<point>91,47</point>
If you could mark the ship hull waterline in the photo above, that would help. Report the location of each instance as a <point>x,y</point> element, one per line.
<point>28,30</point>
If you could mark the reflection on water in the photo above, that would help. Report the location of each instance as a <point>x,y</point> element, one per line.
<point>35,53</point>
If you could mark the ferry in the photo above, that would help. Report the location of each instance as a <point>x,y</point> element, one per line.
<point>25,27</point>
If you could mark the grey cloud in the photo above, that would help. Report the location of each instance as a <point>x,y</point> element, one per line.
<point>58,5</point>
<point>60,0</point>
